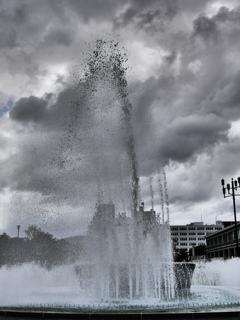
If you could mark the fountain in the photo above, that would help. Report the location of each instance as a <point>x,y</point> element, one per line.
<point>128,265</point>
<point>127,258</point>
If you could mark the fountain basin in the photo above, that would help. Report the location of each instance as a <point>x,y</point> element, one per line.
<point>183,277</point>
<point>183,273</point>
<point>135,315</point>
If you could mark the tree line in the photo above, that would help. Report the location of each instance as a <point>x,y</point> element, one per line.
<point>38,247</point>
<point>43,249</point>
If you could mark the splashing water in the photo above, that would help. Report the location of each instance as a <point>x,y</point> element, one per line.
<point>151,192</point>
<point>162,198</point>
<point>32,287</point>
<point>129,256</point>
<point>98,131</point>
<point>166,194</point>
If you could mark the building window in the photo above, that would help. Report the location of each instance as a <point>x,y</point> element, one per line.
<point>191,228</point>
<point>174,234</point>
<point>183,244</point>
<point>183,234</point>
<point>174,228</point>
<point>230,236</point>
<point>183,228</point>
<point>201,233</point>
<point>192,233</point>
<point>200,228</point>
<point>183,239</point>
<point>209,228</point>
<point>192,239</point>
<point>193,243</point>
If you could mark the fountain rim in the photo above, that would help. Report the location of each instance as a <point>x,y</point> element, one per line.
<point>19,314</point>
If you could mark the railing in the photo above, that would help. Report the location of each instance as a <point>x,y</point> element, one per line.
<point>222,244</point>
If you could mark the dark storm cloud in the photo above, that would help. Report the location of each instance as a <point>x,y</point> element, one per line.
<point>9,20</point>
<point>150,16</point>
<point>150,21</point>
<point>29,109</point>
<point>228,96</point>
<point>225,22</point>
<point>226,14</point>
<point>185,137</point>
<point>205,28</point>
<point>58,37</point>
<point>190,109</point>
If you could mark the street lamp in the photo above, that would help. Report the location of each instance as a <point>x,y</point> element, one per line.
<point>18,228</point>
<point>230,190</point>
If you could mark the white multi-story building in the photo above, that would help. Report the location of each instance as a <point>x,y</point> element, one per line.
<point>193,234</point>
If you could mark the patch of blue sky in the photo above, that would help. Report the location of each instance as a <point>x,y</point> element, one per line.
<point>6,103</point>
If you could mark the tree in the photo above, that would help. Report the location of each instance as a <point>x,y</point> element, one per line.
<point>43,248</point>
<point>36,234</point>
<point>4,238</point>
<point>4,247</point>
<point>39,247</point>
<point>179,255</point>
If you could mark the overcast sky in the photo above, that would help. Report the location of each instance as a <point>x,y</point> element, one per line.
<point>183,74</point>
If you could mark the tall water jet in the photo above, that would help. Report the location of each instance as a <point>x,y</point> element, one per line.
<point>98,131</point>
<point>129,254</point>
<point>151,192</point>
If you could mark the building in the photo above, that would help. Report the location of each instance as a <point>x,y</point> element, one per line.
<point>222,244</point>
<point>193,234</point>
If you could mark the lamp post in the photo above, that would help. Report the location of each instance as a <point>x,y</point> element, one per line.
<point>18,228</point>
<point>231,193</point>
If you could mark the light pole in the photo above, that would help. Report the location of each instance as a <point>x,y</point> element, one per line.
<point>18,228</point>
<point>231,193</point>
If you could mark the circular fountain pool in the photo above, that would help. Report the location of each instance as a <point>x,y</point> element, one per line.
<point>30,287</point>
